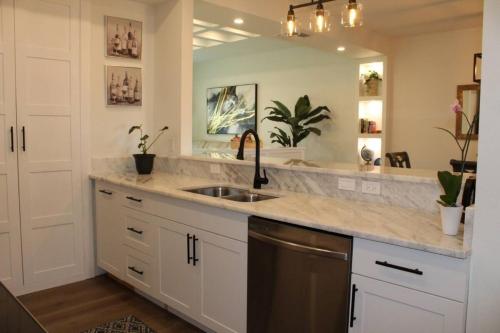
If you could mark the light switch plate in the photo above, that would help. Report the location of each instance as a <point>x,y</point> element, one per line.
<point>347,184</point>
<point>370,187</point>
<point>215,169</point>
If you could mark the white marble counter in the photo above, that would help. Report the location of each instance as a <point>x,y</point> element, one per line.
<point>394,225</point>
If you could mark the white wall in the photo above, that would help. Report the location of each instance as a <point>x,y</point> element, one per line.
<point>285,75</point>
<point>484,297</point>
<point>426,70</point>
<point>109,125</point>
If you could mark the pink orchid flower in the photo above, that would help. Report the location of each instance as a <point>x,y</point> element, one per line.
<point>456,107</point>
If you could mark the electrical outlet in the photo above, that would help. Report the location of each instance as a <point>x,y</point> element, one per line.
<point>370,187</point>
<point>215,169</point>
<point>347,184</point>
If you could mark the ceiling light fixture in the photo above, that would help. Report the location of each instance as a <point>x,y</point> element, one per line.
<point>238,21</point>
<point>341,48</point>
<point>352,16</point>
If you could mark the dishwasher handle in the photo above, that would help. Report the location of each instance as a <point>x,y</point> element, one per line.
<point>298,247</point>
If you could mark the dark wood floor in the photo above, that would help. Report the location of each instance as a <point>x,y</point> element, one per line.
<point>80,306</point>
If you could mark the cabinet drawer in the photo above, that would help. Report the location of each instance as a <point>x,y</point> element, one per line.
<point>141,231</point>
<point>424,271</point>
<point>140,270</point>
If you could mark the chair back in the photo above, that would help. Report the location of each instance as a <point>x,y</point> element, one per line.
<point>469,166</point>
<point>399,159</point>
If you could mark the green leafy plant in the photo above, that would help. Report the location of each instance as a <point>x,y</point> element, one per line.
<point>143,140</point>
<point>299,122</point>
<point>372,75</point>
<point>452,183</point>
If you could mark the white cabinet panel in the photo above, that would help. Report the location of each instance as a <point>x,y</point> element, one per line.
<point>10,237</point>
<point>223,264</point>
<point>141,271</point>
<point>382,307</point>
<point>48,116</point>
<point>109,231</point>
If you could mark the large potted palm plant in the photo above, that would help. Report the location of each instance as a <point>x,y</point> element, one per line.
<point>299,122</point>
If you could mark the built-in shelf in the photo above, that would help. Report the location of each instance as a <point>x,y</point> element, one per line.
<point>370,135</point>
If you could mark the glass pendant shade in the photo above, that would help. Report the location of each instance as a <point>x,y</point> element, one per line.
<point>290,26</point>
<point>320,20</point>
<point>352,14</point>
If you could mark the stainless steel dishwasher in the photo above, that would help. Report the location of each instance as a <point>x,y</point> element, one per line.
<point>298,279</point>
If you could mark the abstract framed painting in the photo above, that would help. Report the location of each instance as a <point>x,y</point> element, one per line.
<point>232,109</point>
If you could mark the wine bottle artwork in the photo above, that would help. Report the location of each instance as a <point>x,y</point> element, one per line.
<point>124,86</point>
<point>124,38</point>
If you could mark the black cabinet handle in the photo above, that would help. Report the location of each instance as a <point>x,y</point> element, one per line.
<point>139,232</point>
<point>195,260</point>
<point>399,268</point>
<point>12,138</point>
<point>188,237</point>
<point>353,301</point>
<point>24,138</point>
<point>106,192</point>
<point>134,199</point>
<point>135,270</point>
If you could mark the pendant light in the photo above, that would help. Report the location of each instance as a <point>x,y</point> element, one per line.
<point>320,19</point>
<point>289,26</point>
<point>352,14</point>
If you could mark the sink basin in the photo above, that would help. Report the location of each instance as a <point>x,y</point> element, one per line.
<point>249,197</point>
<point>231,193</point>
<point>217,191</point>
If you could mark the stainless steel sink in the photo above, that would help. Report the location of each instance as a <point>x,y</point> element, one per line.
<point>231,193</point>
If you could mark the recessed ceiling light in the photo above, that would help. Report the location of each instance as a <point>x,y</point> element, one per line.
<point>239,32</point>
<point>341,48</point>
<point>238,21</point>
<point>204,23</point>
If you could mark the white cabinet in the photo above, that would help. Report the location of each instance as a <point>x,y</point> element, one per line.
<point>381,307</point>
<point>109,231</point>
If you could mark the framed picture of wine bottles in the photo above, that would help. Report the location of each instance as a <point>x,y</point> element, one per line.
<point>123,38</point>
<point>124,86</point>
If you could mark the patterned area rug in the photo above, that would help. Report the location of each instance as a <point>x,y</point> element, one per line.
<point>129,324</point>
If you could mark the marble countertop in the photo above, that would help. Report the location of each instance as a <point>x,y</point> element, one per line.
<point>394,225</point>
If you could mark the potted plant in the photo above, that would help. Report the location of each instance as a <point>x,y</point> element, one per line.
<point>451,210</point>
<point>371,82</point>
<point>144,162</point>
<point>299,122</point>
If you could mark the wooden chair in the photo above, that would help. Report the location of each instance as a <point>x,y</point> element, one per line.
<point>399,159</point>
<point>470,166</point>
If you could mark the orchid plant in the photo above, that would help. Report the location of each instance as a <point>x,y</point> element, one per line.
<point>452,183</point>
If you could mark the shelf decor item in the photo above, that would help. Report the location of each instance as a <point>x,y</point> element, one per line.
<point>298,122</point>
<point>144,162</point>
<point>232,109</point>
<point>123,86</point>
<point>371,83</point>
<point>123,38</point>
<point>451,210</point>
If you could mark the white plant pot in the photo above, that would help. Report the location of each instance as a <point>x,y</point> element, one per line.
<point>450,219</point>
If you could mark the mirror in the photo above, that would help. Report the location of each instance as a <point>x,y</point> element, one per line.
<point>469,98</point>
<point>388,84</point>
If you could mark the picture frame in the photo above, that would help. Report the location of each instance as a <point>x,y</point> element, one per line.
<point>231,110</point>
<point>123,38</point>
<point>123,86</point>
<point>478,63</point>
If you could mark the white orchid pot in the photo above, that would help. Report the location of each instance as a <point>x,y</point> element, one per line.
<point>450,219</point>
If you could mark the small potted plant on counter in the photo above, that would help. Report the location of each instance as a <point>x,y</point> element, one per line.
<point>371,82</point>
<point>451,210</point>
<point>144,162</point>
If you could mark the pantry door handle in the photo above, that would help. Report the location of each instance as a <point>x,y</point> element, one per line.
<point>399,268</point>
<point>12,138</point>
<point>195,260</point>
<point>24,138</point>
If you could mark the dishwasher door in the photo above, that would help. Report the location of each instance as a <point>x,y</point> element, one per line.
<point>298,279</point>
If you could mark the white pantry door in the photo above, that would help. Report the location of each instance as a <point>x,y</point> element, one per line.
<point>48,113</point>
<point>10,239</point>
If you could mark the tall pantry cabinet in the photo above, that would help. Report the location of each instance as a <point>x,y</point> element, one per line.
<point>40,178</point>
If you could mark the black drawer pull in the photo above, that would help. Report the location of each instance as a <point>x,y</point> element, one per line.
<point>353,300</point>
<point>135,270</point>
<point>399,268</point>
<point>140,232</point>
<point>134,199</point>
<point>106,192</point>
<point>195,260</point>
<point>23,130</point>
<point>189,237</point>
<point>12,138</point>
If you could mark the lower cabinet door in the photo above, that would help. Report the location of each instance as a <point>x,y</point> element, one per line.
<point>178,277</point>
<point>223,269</point>
<point>381,307</point>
